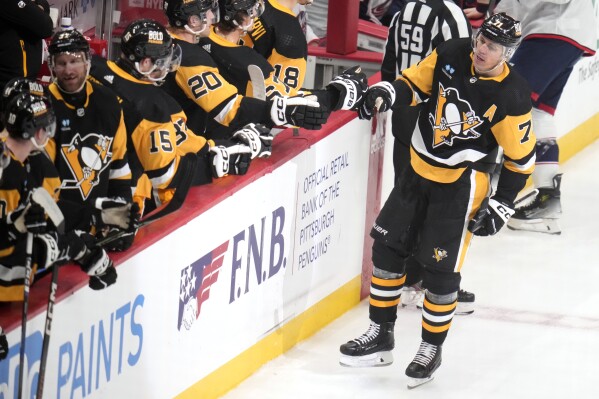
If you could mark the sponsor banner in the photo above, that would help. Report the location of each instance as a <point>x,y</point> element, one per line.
<point>213,288</point>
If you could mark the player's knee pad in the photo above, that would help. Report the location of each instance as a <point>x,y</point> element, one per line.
<point>387,258</point>
<point>440,282</point>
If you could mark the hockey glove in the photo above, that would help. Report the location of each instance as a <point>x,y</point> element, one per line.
<point>351,85</point>
<point>118,212</point>
<point>257,137</point>
<point>99,267</point>
<point>379,97</point>
<point>120,244</point>
<point>491,217</point>
<point>230,159</point>
<point>298,111</point>
<point>3,345</point>
<point>26,218</point>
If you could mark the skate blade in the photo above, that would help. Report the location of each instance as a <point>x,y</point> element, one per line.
<point>416,382</point>
<point>465,308</point>
<point>548,226</point>
<point>378,359</point>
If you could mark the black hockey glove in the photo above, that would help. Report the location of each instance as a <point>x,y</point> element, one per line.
<point>95,262</point>
<point>227,158</point>
<point>351,85</point>
<point>298,111</point>
<point>120,244</point>
<point>379,97</point>
<point>3,345</point>
<point>491,217</point>
<point>26,218</point>
<point>257,137</point>
<point>117,212</point>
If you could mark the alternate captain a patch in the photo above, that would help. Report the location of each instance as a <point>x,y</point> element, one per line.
<point>453,118</point>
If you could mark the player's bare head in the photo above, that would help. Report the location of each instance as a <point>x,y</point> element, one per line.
<point>239,14</point>
<point>69,60</point>
<point>195,16</point>
<point>30,117</point>
<point>495,42</point>
<point>148,50</point>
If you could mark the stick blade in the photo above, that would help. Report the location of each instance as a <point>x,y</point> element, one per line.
<point>45,200</point>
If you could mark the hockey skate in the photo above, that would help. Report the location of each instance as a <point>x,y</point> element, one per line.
<point>465,302</point>
<point>371,349</point>
<point>542,214</point>
<point>426,361</point>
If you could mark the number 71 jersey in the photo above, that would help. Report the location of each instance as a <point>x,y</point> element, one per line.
<point>468,116</point>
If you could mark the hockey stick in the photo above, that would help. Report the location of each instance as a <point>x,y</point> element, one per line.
<point>187,172</point>
<point>258,84</point>
<point>45,200</point>
<point>26,283</point>
<point>527,196</point>
<point>48,329</point>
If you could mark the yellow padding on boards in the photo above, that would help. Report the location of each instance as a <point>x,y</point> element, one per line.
<point>278,342</point>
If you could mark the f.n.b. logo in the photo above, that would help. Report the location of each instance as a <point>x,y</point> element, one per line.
<point>196,280</point>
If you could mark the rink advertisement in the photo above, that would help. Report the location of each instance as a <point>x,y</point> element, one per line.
<point>212,289</point>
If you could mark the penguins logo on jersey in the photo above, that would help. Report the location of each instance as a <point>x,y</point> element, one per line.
<point>87,157</point>
<point>453,118</point>
<point>439,254</point>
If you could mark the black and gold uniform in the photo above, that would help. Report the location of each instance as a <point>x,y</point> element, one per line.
<point>233,59</point>
<point>89,148</point>
<point>158,136</point>
<point>467,116</point>
<point>278,37</point>
<point>215,108</point>
<point>18,181</point>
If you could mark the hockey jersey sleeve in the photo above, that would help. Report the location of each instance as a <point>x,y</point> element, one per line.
<point>218,98</point>
<point>389,70</point>
<point>120,173</point>
<point>28,16</point>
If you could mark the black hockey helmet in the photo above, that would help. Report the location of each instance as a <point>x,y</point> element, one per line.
<point>502,29</point>
<point>20,85</point>
<point>178,12</point>
<point>147,38</point>
<point>26,113</point>
<point>230,10</point>
<point>68,41</point>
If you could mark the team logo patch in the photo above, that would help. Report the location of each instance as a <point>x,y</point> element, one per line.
<point>439,254</point>
<point>86,157</point>
<point>453,118</point>
<point>196,280</point>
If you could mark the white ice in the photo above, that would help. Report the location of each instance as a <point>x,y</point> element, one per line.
<point>534,333</point>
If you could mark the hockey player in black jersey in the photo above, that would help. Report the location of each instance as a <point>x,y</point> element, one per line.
<point>213,105</point>
<point>278,37</point>
<point>445,197</point>
<point>233,59</point>
<point>30,123</point>
<point>166,151</point>
<point>90,145</point>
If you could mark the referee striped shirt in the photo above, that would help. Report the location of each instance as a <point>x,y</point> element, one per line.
<point>417,29</point>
